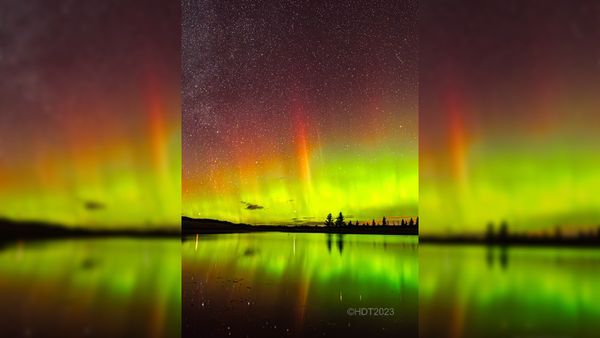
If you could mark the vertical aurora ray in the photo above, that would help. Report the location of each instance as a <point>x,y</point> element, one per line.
<point>294,111</point>
<point>508,116</point>
<point>89,113</point>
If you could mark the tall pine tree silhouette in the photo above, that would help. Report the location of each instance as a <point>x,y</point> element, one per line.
<point>339,221</point>
<point>329,220</point>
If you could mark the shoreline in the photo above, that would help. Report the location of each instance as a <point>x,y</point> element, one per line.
<point>192,226</point>
<point>574,242</point>
<point>18,230</point>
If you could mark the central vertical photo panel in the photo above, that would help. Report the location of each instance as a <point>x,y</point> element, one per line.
<point>300,168</point>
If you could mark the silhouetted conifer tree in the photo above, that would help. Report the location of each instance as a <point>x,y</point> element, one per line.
<point>373,223</point>
<point>329,220</point>
<point>339,221</point>
<point>411,222</point>
<point>384,221</point>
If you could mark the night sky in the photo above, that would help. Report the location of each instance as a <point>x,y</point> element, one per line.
<point>509,115</point>
<point>292,110</point>
<point>90,112</point>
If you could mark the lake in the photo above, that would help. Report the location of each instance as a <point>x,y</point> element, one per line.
<point>90,288</point>
<point>300,285</point>
<point>479,291</point>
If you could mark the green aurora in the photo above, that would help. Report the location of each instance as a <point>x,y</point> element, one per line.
<point>344,182</point>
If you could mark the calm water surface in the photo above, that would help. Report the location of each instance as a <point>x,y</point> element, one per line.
<point>475,291</point>
<point>299,285</point>
<point>91,288</point>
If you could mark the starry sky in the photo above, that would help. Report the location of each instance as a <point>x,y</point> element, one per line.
<point>292,110</point>
<point>90,112</point>
<point>509,115</point>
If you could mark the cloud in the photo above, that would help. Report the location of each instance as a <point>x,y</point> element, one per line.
<point>252,206</point>
<point>94,205</point>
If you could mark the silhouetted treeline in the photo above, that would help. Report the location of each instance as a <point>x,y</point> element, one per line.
<point>340,222</point>
<point>26,230</point>
<point>502,235</point>
<point>192,226</point>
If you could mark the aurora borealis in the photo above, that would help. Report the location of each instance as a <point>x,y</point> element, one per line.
<point>509,116</point>
<point>294,110</point>
<point>90,113</point>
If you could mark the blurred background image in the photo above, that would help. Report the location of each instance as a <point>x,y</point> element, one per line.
<point>90,156</point>
<point>90,123</point>
<point>509,144</point>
